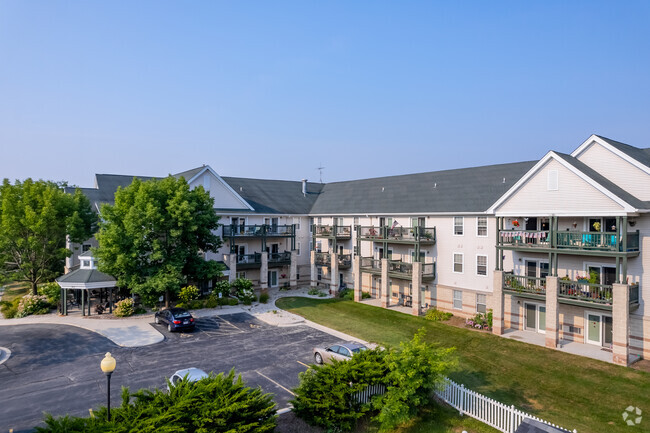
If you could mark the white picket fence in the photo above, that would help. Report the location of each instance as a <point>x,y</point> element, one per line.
<point>498,415</point>
<point>366,395</point>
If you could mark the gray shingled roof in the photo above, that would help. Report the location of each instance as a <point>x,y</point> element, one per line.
<point>107,185</point>
<point>275,196</point>
<point>641,155</point>
<point>85,276</point>
<point>189,174</point>
<point>462,190</point>
<point>602,180</point>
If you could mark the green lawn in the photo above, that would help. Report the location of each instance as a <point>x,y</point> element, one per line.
<point>571,391</point>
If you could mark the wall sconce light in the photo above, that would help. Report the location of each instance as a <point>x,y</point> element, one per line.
<point>575,224</point>
<point>632,223</point>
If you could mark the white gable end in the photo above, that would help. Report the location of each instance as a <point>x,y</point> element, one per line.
<point>555,190</point>
<point>611,165</point>
<point>224,196</point>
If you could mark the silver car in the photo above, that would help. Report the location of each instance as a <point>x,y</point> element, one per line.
<point>342,351</point>
<point>193,375</point>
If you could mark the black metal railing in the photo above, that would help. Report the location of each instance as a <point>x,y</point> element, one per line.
<point>249,261</point>
<point>322,259</point>
<point>345,261</point>
<point>594,241</point>
<point>408,234</point>
<point>279,259</point>
<point>523,284</point>
<point>337,231</point>
<point>585,291</point>
<point>258,230</point>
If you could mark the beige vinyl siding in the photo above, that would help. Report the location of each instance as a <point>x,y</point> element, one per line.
<point>223,197</point>
<point>616,169</point>
<point>574,195</point>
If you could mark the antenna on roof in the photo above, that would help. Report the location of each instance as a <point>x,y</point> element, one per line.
<point>320,171</point>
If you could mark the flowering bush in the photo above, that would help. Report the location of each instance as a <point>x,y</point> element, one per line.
<point>52,291</point>
<point>124,308</point>
<point>188,294</point>
<point>480,321</point>
<point>244,290</point>
<point>32,304</point>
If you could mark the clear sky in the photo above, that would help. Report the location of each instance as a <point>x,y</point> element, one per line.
<point>273,89</point>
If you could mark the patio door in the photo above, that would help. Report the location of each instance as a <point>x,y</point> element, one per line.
<point>599,329</point>
<point>273,279</point>
<point>535,318</point>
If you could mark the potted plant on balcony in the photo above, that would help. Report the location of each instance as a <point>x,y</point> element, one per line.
<point>515,223</point>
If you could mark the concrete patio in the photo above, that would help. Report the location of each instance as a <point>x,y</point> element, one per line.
<point>377,303</point>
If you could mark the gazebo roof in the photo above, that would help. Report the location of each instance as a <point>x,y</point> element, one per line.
<point>86,279</point>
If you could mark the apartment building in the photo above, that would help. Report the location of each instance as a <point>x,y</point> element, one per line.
<point>553,246</point>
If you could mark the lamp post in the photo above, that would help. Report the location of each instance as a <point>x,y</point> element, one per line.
<point>108,365</point>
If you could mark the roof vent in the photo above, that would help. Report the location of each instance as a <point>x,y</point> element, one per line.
<point>435,185</point>
<point>504,180</point>
<point>241,188</point>
<point>382,189</point>
<point>304,187</point>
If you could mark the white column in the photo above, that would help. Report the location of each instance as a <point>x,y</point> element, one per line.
<point>416,291</point>
<point>552,312</point>
<point>334,273</point>
<point>498,313</point>
<point>356,269</point>
<point>385,294</point>
<point>313,268</point>
<point>621,324</point>
<point>264,271</point>
<point>293,270</point>
<point>232,264</point>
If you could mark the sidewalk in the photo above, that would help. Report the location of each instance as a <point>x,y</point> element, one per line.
<point>137,331</point>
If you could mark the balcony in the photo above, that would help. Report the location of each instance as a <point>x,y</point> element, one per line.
<point>326,231</point>
<point>258,230</point>
<point>570,241</point>
<point>579,293</point>
<point>398,234</point>
<point>527,287</point>
<point>249,261</point>
<point>322,259</point>
<point>277,260</point>
<point>345,261</point>
<point>397,268</point>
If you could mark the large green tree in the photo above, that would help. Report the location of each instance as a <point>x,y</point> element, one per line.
<point>152,239</point>
<point>35,218</point>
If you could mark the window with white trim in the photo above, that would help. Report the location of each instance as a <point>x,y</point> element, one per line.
<point>296,221</point>
<point>458,299</point>
<point>481,303</point>
<point>240,275</point>
<point>481,265</point>
<point>481,226</point>
<point>458,263</point>
<point>458,226</point>
<point>298,248</point>
<point>319,273</point>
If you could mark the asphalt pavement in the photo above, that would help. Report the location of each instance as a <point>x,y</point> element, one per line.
<point>55,368</point>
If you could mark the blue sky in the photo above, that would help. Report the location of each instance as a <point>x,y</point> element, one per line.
<point>273,89</point>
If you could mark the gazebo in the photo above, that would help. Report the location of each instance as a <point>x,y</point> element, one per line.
<point>85,279</point>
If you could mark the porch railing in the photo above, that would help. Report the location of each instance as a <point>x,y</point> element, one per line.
<point>332,231</point>
<point>596,241</point>
<point>370,264</point>
<point>258,230</point>
<point>280,258</point>
<point>585,291</point>
<point>249,260</point>
<point>523,284</point>
<point>409,234</point>
<point>322,259</point>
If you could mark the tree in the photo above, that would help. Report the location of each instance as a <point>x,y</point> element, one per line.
<point>35,218</point>
<point>152,239</point>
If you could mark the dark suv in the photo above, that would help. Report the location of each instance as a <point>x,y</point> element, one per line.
<point>176,319</point>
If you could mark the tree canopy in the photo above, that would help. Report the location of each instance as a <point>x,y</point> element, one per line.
<point>152,239</point>
<point>35,217</point>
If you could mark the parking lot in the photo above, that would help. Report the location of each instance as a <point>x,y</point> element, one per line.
<point>55,368</point>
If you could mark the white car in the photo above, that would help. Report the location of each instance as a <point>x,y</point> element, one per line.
<point>193,375</point>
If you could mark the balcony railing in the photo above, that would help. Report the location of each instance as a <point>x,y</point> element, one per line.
<point>406,234</point>
<point>322,259</point>
<point>258,230</point>
<point>523,284</point>
<point>370,264</point>
<point>397,268</point>
<point>249,261</point>
<point>341,232</point>
<point>279,259</point>
<point>586,292</point>
<point>634,294</point>
<point>345,261</point>
<point>590,241</point>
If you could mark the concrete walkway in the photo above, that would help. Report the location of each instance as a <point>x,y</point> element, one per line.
<point>137,330</point>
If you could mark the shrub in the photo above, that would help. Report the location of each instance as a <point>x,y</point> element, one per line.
<point>221,403</point>
<point>326,394</point>
<point>32,304</point>
<point>140,310</point>
<point>264,298</point>
<point>181,305</point>
<point>188,293</point>
<point>124,308</point>
<point>196,304</point>
<point>347,294</point>
<point>313,291</point>
<point>244,290</point>
<point>233,301</point>
<point>211,302</point>
<point>9,309</point>
<point>481,321</point>
<point>222,287</point>
<point>436,315</point>
<point>52,291</point>
<point>365,295</point>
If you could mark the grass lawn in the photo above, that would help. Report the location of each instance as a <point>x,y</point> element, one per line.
<point>571,391</point>
<point>15,290</point>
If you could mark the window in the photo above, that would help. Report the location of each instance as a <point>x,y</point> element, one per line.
<point>481,226</point>
<point>356,221</point>
<point>458,226</point>
<point>481,304</point>
<point>85,263</point>
<point>296,221</point>
<point>298,249</point>
<point>85,247</point>
<point>311,224</point>
<point>481,265</point>
<point>311,246</point>
<point>319,247</point>
<point>240,275</point>
<point>458,263</point>
<point>458,300</point>
<point>319,271</point>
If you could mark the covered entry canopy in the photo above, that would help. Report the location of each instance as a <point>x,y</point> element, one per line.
<point>86,278</point>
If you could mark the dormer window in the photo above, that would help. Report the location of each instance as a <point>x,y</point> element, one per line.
<point>85,263</point>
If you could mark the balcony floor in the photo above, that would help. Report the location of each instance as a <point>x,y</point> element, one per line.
<point>580,349</point>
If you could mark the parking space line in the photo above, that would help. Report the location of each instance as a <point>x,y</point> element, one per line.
<point>302,363</point>
<point>273,381</point>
